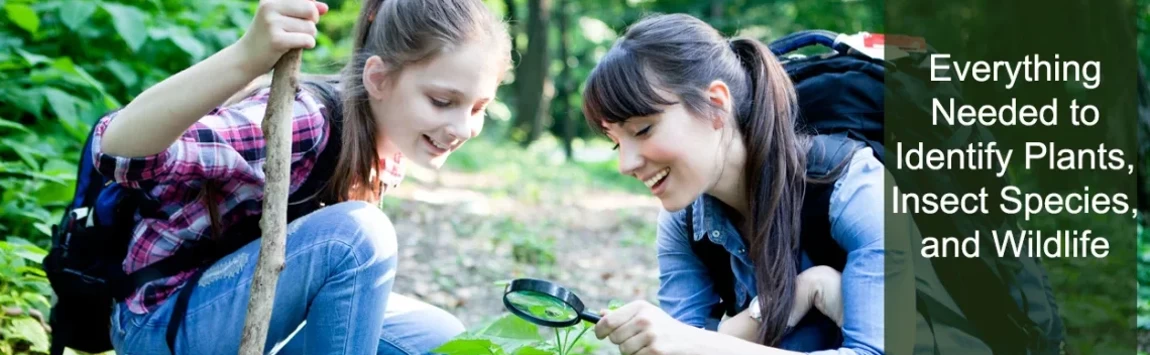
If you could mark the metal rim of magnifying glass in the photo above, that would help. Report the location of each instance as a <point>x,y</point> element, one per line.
<point>546,288</point>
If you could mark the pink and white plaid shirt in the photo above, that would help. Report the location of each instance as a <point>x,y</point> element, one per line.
<point>226,147</point>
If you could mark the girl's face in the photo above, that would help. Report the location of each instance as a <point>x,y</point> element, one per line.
<point>429,109</point>
<point>674,153</point>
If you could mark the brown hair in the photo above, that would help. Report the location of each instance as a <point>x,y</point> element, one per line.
<point>683,55</point>
<point>401,33</point>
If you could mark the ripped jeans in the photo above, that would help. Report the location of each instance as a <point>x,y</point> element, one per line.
<point>340,264</point>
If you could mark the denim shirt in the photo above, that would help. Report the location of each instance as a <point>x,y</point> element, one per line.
<point>856,221</point>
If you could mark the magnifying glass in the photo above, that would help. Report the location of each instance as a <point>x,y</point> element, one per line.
<point>545,303</point>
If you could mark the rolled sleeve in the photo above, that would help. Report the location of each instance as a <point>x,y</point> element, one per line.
<point>127,171</point>
<point>225,144</point>
<point>860,232</point>
<point>685,289</point>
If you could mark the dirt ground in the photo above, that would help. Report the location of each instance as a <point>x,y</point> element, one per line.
<point>457,244</point>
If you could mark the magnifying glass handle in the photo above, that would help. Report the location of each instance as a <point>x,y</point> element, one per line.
<point>590,317</point>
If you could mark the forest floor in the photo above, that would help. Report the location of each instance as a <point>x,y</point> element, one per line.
<point>462,232</point>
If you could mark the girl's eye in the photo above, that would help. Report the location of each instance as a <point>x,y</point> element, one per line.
<point>440,103</point>
<point>643,131</point>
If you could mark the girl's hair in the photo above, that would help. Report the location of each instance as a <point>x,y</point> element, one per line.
<point>402,33</point>
<point>682,55</point>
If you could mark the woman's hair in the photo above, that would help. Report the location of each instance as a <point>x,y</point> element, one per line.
<point>401,33</point>
<point>683,55</point>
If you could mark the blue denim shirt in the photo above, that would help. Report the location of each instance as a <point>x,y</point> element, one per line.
<point>856,220</point>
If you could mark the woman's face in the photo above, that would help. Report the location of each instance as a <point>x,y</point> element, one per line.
<point>430,109</point>
<point>674,153</point>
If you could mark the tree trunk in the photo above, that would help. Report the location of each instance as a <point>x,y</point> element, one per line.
<point>563,90</point>
<point>277,136</point>
<point>513,29</point>
<point>532,72</point>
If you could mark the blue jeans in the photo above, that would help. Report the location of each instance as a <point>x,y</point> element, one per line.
<point>340,265</point>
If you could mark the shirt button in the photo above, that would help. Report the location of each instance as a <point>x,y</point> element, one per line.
<point>742,251</point>
<point>715,234</point>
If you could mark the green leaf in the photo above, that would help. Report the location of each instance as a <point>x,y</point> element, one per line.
<point>33,58</point>
<point>30,330</point>
<point>467,347</point>
<point>66,65</point>
<point>189,44</point>
<point>29,100</point>
<point>23,15</point>
<point>4,124</point>
<point>129,23</point>
<point>513,327</point>
<point>27,250</point>
<point>76,13</point>
<point>62,103</point>
<point>123,72</point>
<point>531,350</point>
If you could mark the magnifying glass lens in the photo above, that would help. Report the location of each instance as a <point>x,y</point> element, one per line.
<point>542,306</point>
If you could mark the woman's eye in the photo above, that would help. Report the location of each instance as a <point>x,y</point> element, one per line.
<point>440,103</point>
<point>643,131</point>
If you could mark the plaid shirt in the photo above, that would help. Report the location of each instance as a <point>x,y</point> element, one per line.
<point>227,147</point>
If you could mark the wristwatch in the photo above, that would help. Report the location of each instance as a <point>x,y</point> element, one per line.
<point>756,311</point>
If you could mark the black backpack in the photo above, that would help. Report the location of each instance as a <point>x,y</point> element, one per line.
<point>841,103</point>
<point>84,262</point>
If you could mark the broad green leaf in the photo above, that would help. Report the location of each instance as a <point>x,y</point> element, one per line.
<point>76,13</point>
<point>33,58</point>
<point>30,251</point>
<point>512,327</point>
<point>28,100</point>
<point>129,23</point>
<point>123,72</point>
<point>467,347</point>
<point>531,350</point>
<point>26,153</point>
<point>33,270</point>
<point>66,65</point>
<point>61,103</point>
<point>6,124</point>
<point>23,16</point>
<point>30,330</point>
<point>189,44</point>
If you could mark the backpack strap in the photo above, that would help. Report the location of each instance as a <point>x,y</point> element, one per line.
<point>717,261</point>
<point>826,155</point>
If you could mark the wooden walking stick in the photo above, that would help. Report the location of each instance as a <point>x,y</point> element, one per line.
<point>273,223</point>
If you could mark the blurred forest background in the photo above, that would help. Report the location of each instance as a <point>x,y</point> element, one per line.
<point>536,195</point>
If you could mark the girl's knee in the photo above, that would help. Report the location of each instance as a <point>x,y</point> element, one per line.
<point>362,226</point>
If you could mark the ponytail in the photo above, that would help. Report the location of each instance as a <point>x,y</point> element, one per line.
<point>766,119</point>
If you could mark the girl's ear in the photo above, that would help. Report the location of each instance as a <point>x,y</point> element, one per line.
<point>720,97</point>
<point>375,77</point>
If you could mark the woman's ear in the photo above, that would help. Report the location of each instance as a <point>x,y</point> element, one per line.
<point>720,97</point>
<point>375,77</point>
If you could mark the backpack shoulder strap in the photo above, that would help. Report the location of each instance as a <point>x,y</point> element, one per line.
<point>717,261</point>
<point>826,154</point>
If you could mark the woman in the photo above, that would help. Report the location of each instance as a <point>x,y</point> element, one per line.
<point>421,75</point>
<point>708,122</point>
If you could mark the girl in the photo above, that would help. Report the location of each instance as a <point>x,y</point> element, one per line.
<point>416,89</point>
<point>708,122</point>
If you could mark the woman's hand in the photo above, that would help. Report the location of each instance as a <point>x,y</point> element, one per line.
<point>280,26</point>
<point>641,328</point>
<point>821,287</point>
